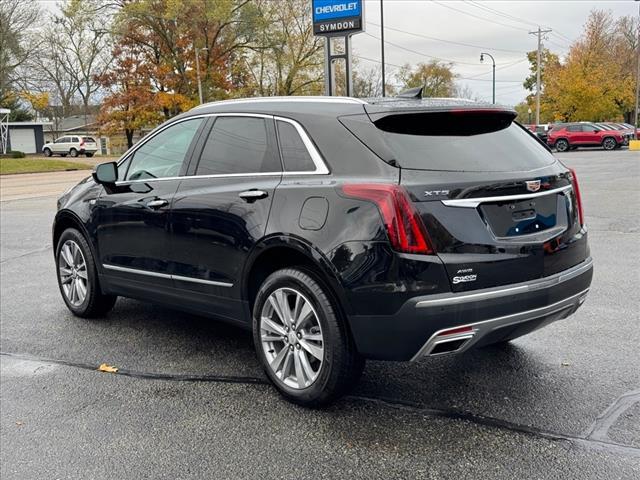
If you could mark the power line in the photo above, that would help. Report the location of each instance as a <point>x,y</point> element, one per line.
<point>456,62</point>
<point>513,17</point>
<point>479,17</point>
<point>448,41</point>
<point>509,65</point>
<point>457,77</point>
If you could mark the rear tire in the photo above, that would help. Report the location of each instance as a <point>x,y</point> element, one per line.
<point>88,155</point>
<point>562,145</point>
<point>78,277</point>
<point>47,152</point>
<point>609,143</point>
<point>73,152</point>
<point>309,354</point>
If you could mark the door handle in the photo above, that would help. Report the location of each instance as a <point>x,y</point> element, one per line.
<point>154,204</point>
<point>253,195</point>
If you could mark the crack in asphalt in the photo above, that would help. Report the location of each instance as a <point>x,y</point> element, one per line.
<point>596,437</point>
<point>26,254</point>
<point>599,430</point>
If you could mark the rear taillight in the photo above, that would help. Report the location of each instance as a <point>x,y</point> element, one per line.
<point>576,191</point>
<point>404,226</point>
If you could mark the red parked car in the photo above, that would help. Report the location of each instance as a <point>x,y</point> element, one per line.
<point>573,135</point>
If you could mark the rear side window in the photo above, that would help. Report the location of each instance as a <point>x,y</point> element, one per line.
<point>75,140</point>
<point>468,141</point>
<point>574,128</point>
<point>88,139</point>
<point>237,145</point>
<point>295,155</point>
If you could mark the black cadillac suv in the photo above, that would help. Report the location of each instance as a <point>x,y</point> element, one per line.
<point>336,229</point>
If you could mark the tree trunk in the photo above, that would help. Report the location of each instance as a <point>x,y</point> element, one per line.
<point>129,134</point>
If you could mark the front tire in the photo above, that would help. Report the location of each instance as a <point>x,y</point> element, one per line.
<point>609,143</point>
<point>47,152</point>
<point>562,145</point>
<point>78,278</point>
<point>303,344</point>
<point>73,152</point>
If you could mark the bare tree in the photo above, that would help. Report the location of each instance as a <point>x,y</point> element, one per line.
<point>17,20</point>
<point>82,48</point>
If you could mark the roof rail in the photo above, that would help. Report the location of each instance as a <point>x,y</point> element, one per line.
<point>319,99</point>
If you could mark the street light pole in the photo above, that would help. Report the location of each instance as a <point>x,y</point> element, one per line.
<point>198,71</point>
<point>382,43</point>
<point>494,72</point>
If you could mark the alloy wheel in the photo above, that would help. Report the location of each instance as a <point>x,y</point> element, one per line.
<point>291,338</point>
<point>609,144</point>
<point>72,269</point>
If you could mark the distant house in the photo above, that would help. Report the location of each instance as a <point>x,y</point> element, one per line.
<point>26,137</point>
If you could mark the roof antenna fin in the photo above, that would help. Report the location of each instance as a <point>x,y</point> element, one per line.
<point>415,93</point>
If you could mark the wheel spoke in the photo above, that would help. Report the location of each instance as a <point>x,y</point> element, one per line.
<point>272,338</point>
<point>277,361</point>
<point>315,337</point>
<point>306,313</point>
<point>312,349</point>
<point>283,304</point>
<point>276,308</point>
<point>66,255</point>
<point>287,363</point>
<point>270,325</point>
<point>81,289</point>
<point>66,279</point>
<point>306,366</point>
<point>72,293</point>
<point>82,272</point>
<point>299,370</point>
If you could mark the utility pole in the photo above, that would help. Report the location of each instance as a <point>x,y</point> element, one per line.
<point>197,50</point>
<point>382,42</point>
<point>539,33</point>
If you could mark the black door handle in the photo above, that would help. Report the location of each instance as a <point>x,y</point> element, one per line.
<point>253,195</point>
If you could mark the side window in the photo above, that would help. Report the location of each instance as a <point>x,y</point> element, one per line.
<point>574,128</point>
<point>163,155</point>
<point>123,167</point>
<point>75,140</point>
<point>589,128</point>
<point>62,140</point>
<point>295,155</point>
<point>237,145</point>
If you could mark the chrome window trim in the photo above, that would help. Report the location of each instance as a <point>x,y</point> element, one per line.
<point>474,202</point>
<point>551,280</point>
<point>321,167</point>
<point>165,275</point>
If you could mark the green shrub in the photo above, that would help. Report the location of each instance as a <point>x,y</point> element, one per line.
<point>17,154</point>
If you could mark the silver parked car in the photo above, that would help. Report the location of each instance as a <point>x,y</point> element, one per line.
<point>71,145</point>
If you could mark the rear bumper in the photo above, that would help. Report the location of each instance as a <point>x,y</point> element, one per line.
<point>481,317</point>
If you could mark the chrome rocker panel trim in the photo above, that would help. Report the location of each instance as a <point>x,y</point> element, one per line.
<point>167,276</point>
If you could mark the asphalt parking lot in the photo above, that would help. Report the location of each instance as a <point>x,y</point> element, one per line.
<point>190,400</point>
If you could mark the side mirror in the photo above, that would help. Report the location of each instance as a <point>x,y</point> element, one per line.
<point>595,131</point>
<point>106,173</point>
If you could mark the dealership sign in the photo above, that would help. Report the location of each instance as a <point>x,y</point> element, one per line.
<point>337,17</point>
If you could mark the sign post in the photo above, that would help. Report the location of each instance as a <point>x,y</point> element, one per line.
<point>337,19</point>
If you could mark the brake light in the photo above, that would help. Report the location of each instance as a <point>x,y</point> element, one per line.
<point>404,226</point>
<point>576,191</point>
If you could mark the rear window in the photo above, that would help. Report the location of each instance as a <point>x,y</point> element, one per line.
<point>88,139</point>
<point>462,141</point>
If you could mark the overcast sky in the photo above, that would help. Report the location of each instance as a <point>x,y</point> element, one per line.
<point>462,22</point>
<point>497,27</point>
